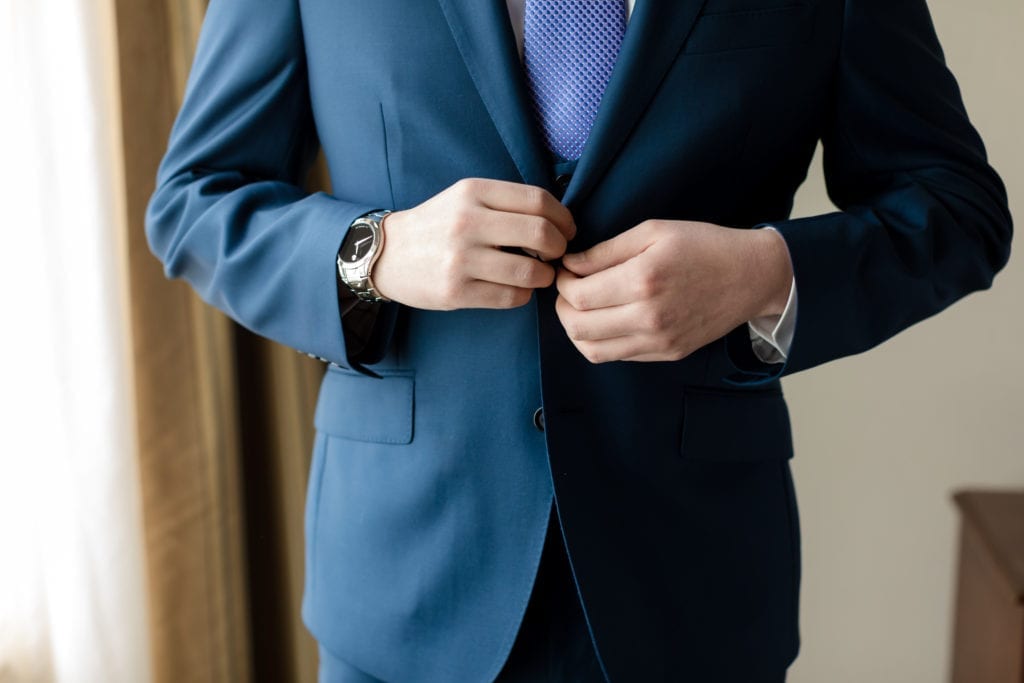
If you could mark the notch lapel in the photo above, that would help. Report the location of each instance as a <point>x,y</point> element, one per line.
<point>483,33</point>
<point>656,33</point>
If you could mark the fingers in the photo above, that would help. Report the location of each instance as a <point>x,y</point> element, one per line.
<point>618,333</point>
<point>429,257</point>
<point>480,294</point>
<point>608,350</point>
<point>613,287</point>
<point>529,200</point>
<point>498,267</point>
<point>600,324</point>
<point>618,249</point>
<point>533,234</point>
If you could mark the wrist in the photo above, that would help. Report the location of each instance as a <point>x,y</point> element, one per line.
<point>383,267</point>
<point>774,269</point>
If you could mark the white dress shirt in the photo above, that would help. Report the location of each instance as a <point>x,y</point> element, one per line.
<point>770,336</point>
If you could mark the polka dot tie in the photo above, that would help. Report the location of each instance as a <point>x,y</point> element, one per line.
<point>570,48</point>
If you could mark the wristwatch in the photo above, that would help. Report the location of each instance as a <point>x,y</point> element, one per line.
<point>358,253</point>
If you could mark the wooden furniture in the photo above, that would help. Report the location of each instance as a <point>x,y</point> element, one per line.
<point>988,642</point>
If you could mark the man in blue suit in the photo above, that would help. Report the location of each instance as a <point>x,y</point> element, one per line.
<point>551,439</point>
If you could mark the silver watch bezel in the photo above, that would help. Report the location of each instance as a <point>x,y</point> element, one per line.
<point>357,276</point>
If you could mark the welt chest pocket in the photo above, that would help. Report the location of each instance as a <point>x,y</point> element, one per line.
<point>749,24</point>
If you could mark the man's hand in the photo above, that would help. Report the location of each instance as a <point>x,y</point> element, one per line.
<point>663,289</point>
<point>446,253</point>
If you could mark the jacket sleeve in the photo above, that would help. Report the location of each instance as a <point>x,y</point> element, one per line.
<point>228,214</point>
<point>923,219</point>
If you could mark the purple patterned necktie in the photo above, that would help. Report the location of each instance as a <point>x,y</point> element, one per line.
<point>570,48</point>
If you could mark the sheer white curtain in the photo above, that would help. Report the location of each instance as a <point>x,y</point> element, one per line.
<point>72,595</point>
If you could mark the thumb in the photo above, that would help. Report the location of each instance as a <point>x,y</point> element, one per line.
<point>604,255</point>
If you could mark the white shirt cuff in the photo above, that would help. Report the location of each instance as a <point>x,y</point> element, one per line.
<point>771,336</point>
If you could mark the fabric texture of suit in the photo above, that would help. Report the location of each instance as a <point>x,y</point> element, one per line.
<point>430,487</point>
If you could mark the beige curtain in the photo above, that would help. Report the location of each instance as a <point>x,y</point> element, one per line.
<point>72,579</point>
<point>224,421</point>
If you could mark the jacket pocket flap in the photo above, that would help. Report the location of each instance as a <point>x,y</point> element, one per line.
<point>736,426</point>
<point>355,406</point>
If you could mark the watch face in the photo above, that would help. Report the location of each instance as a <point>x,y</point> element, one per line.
<point>358,243</point>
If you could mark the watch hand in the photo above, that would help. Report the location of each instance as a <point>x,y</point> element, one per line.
<point>359,243</point>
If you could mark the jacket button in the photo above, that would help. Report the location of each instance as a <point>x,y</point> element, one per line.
<point>562,183</point>
<point>538,419</point>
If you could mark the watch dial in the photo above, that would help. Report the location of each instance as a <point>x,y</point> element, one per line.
<point>357,244</point>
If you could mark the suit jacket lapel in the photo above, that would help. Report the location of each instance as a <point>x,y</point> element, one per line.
<point>656,33</point>
<point>483,33</point>
<point>654,37</point>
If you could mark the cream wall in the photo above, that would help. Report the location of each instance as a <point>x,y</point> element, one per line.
<point>883,438</point>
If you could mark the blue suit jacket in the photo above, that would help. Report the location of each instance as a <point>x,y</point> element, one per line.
<point>430,487</point>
